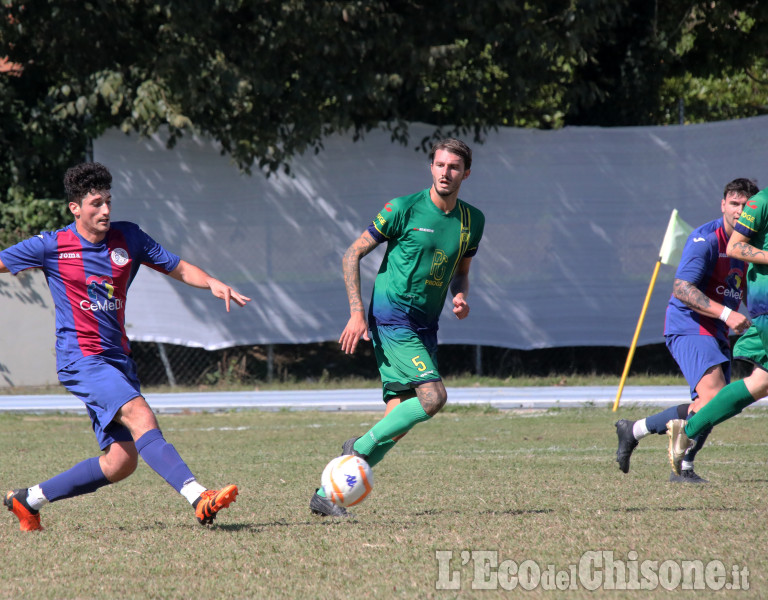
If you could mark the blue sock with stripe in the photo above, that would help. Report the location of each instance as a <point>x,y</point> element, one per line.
<point>163,459</point>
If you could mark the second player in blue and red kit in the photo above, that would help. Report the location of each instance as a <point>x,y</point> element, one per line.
<point>702,311</point>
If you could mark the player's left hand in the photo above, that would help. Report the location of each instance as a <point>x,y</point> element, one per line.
<point>460,307</point>
<point>226,293</point>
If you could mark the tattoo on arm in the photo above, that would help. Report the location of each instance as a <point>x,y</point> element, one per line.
<point>748,252</point>
<point>690,295</point>
<point>351,269</point>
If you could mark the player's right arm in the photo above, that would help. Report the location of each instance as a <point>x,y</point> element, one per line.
<point>699,302</point>
<point>357,326</point>
<point>3,268</point>
<point>739,247</point>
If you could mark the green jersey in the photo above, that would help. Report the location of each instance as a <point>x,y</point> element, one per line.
<point>753,223</point>
<point>424,247</point>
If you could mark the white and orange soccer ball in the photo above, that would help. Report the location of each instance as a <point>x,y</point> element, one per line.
<point>347,480</point>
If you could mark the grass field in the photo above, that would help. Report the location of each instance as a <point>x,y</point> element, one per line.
<point>529,489</point>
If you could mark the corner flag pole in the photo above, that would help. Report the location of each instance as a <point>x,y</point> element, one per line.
<point>671,252</point>
<point>631,354</point>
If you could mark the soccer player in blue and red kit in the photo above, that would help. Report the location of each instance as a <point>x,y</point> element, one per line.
<point>89,266</point>
<point>706,294</point>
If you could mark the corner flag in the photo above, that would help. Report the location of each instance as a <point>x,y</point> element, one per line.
<point>670,254</point>
<point>674,240</point>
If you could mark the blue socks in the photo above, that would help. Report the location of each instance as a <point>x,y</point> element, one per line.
<point>658,423</point>
<point>85,477</point>
<point>163,459</point>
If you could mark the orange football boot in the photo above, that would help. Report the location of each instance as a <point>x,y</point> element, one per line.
<point>211,502</point>
<point>16,501</point>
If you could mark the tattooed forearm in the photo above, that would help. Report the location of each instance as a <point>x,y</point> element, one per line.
<point>748,252</point>
<point>351,269</point>
<point>690,295</point>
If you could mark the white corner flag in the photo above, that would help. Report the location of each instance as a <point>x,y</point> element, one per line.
<point>670,254</point>
<point>674,239</point>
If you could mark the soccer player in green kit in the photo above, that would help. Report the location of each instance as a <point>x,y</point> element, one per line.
<point>431,237</point>
<point>749,242</point>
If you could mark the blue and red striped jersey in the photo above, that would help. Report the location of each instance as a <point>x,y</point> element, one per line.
<point>89,283</point>
<point>705,264</point>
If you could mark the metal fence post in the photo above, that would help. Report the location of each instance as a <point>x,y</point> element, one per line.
<point>270,362</point>
<point>166,364</point>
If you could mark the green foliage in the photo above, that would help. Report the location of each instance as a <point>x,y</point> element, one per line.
<point>710,55</point>
<point>24,216</point>
<point>270,80</point>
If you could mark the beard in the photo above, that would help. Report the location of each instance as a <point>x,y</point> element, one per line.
<point>443,192</point>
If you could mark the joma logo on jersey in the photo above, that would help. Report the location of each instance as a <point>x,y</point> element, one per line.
<point>63,255</point>
<point>97,302</point>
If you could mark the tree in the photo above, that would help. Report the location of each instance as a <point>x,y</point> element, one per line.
<point>270,80</point>
<point>711,55</point>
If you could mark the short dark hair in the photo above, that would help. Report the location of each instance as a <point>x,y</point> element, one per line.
<point>741,187</point>
<point>453,146</point>
<point>81,179</point>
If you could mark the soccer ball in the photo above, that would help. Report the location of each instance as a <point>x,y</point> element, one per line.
<point>347,480</point>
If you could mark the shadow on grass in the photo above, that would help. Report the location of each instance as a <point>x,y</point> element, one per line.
<point>511,511</point>
<point>707,509</point>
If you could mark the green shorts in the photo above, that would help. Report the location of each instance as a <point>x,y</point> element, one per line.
<point>752,344</point>
<point>405,359</point>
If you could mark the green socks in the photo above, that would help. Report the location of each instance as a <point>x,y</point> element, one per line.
<point>378,440</point>
<point>379,451</point>
<point>399,420</point>
<point>729,401</point>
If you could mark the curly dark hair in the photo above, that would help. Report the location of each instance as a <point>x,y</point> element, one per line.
<point>82,178</point>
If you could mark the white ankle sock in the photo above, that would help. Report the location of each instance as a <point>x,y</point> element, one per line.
<point>640,430</point>
<point>35,498</point>
<point>192,490</point>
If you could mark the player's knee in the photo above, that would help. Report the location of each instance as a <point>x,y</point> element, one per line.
<point>436,400</point>
<point>118,463</point>
<point>757,383</point>
<point>126,468</point>
<point>137,416</point>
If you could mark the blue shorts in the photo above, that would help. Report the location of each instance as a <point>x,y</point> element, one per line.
<point>104,384</point>
<point>696,354</point>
